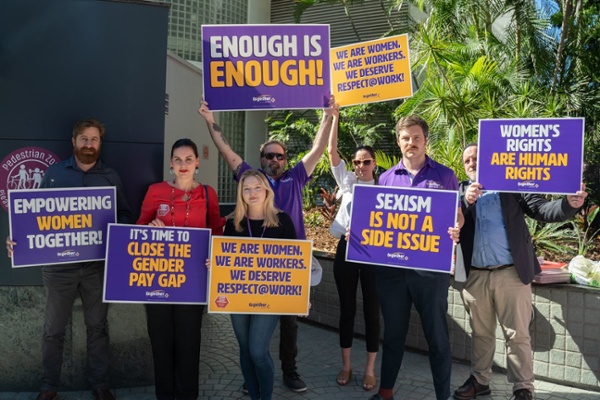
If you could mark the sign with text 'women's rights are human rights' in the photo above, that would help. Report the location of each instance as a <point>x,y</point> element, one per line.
<point>402,227</point>
<point>147,264</point>
<point>543,155</point>
<point>60,226</point>
<point>257,67</point>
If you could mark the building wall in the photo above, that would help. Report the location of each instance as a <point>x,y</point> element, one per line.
<point>184,82</point>
<point>564,332</point>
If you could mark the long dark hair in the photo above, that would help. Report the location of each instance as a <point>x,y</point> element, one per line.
<point>371,152</point>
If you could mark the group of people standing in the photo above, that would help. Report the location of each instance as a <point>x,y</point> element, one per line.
<point>495,252</point>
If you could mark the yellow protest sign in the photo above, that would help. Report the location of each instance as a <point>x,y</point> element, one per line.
<point>370,72</point>
<point>259,276</point>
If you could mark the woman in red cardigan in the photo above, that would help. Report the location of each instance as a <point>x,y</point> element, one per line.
<point>174,329</point>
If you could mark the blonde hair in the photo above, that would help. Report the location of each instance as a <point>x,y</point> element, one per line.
<point>241,208</point>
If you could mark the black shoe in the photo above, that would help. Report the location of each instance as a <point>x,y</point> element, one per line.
<point>103,394</point>
<point>522,394</point>
<point>471,389</point>
<point>46,395</point>
<point>292,380</point>
<point>378,397</point>
<point>244,389</point>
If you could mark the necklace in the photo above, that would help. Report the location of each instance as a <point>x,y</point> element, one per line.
<point>250,230</point>
<point>187,198</point>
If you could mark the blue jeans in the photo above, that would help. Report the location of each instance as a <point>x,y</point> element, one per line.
<point>253,333</point>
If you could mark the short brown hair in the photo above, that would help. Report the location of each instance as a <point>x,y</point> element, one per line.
<point>83,124</point>
<point>273,141</point>
<point>411,120</point>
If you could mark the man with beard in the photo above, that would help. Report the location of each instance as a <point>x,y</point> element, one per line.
<point>287,185</point>
<point>500,263</point>
<point>62,282</point>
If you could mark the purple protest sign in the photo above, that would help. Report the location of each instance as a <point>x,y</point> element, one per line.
<point>156,265</point>
<point>402,227</point>
<point>543,155</point>
<point>60,226</point>
<point>257,67</point>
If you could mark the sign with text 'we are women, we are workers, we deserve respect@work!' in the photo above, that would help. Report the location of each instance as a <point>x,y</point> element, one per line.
<point>370,72</point>
<point>543,155</point>
<point>257,67</point>
<point>402,227</point>
<point>60,226</point>
<point>156,264</point>
<point>259,276</point>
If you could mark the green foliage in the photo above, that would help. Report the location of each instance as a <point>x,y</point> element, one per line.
<point>584,229</point>
<point>385,160</point>
<point>553,237</point>
<point>309,197</point>
<point>314,219</point>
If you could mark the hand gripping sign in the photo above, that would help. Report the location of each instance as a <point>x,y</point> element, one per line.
<point>156,264</point>
<point>59,226</point>
<point>259,276</point>
<point>402,227</point>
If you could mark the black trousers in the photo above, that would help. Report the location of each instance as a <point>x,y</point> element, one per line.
<point>399,289</point>
<point>175,332</point>
<point>288,348</point>
<point>347,275</point>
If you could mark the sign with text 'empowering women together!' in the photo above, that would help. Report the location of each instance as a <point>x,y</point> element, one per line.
<point>543,155</point>
<point>59,226</point>
<point>259,276</point>
<point>156,264</point>
<point>402,227</point>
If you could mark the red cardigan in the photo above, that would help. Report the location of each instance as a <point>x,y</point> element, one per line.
<point>158,202</point>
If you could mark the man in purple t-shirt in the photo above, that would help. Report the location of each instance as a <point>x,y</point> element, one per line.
<point>400,288</point>
<point>287,185</point>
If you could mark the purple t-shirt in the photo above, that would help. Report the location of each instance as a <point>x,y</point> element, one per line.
<point>288,193</point>
<point>433,175</point>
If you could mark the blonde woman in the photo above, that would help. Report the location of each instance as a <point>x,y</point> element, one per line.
<point>255,215</point>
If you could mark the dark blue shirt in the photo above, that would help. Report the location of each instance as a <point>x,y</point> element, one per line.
<point>67,174</point>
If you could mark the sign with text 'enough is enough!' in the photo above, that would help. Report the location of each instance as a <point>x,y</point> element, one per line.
<point>259,276</point>
<point>542,155</point>
<point>257,67</point>
<point>402,227</point>
<point>147,264</point>
<point>60,226</point>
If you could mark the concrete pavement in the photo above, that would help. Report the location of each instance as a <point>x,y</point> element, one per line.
<point>318,363</point>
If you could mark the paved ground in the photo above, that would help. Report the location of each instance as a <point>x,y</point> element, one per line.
<point>318,363</point>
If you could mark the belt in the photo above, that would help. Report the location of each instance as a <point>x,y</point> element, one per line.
<point>493,268</point>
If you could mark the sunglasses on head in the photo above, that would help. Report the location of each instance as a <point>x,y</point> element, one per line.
<point>363,162</point>
<point>278,156</point>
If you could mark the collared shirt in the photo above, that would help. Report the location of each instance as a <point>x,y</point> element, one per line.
<point>490,245</point>
<point>432,175</point>
<point>67,174</point>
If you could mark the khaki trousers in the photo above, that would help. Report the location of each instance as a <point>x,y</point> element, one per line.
<point>500,293</point>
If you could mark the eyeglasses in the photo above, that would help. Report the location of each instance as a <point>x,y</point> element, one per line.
<point>357,163</point>
<point>278,156</point>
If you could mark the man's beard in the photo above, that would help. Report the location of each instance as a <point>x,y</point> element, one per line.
<point>472,174</point>
<point>272,170</point>
<point>86,155</point>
